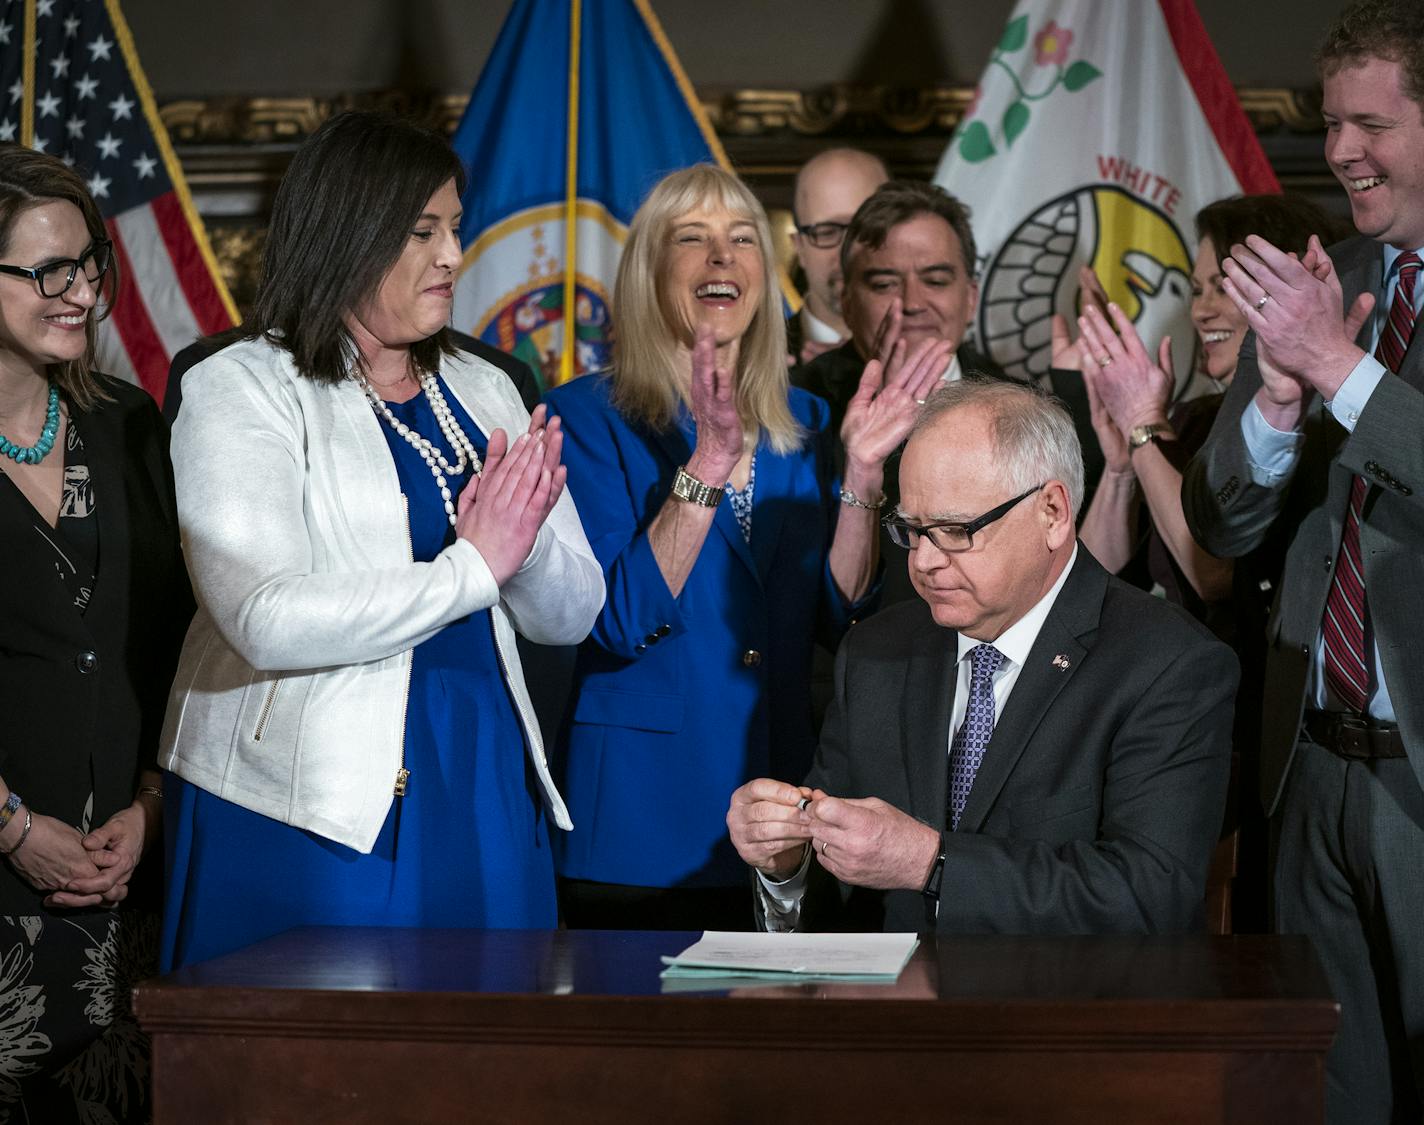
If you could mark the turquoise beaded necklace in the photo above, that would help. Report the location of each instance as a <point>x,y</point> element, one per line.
<point>34,454</point>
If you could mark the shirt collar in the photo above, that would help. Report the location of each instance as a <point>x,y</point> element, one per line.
<point>1392,254</point>
<point>953,373</point>
<point>1017,640</point>
<point>817,329</point>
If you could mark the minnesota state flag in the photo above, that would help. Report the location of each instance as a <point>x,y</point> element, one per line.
<point>1096,134</point>
<point>580,110</point>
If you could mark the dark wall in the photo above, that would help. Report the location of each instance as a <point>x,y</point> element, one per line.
<point>203,48</point>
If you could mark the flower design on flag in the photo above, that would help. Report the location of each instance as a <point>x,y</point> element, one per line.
<point>1051,45</point>
<point>975,141</point>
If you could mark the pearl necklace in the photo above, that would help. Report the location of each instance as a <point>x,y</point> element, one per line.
<point>434,459</point>
<point>34,454</point>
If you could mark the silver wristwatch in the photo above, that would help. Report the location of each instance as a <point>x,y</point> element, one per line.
<point>687,487</point>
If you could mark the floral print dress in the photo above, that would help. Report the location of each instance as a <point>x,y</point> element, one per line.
<point>70,1048</point>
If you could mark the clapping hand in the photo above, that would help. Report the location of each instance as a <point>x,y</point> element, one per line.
<point>883,410</point>
<point>720,434</point>
<point>1296,308</point>
<point>1133,389</point>
<point>503,507</point>
<point>1064,352</point>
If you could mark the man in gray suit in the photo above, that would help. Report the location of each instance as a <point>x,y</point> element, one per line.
<point>1031,746</point>
<point>1321,440</point>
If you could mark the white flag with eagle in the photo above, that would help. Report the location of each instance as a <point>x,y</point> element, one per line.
<point>1099,129</point>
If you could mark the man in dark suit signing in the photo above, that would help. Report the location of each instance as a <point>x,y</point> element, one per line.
<point>1320,441</point>
<point>1032,746</point>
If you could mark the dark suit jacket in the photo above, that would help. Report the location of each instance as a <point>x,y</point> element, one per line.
<point>73,724</point>
<point>1231,515</point>
<point>1100,796</point>
<point>519,372</point>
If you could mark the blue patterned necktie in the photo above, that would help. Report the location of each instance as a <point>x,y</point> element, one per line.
<point>972,738</point>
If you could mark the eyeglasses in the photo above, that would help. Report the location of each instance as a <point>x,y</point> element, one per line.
<point>823,236</point>
<point>55,278</point>
<point>949,535</point>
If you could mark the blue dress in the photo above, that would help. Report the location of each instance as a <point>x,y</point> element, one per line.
<point>467,846</point>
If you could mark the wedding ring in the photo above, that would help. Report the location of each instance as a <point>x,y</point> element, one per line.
<point>1104,360</point>
<point>1261,304</point>
<point>824,846</point>
<point>921,401</point>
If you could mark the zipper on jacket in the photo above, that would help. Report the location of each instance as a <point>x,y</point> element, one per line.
<point>403,774</point>
<point>266,712</point>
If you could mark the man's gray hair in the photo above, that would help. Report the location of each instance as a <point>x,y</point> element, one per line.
<point>1034,438</point>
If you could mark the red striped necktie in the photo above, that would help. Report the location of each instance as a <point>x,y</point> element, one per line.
<point>1347,663</point>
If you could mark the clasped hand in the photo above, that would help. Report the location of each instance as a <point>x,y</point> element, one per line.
<point>502,508</point>
<point>865,842</point>
<point>80,870</point>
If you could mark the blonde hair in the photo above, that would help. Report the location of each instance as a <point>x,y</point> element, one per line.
<point>645,387</point>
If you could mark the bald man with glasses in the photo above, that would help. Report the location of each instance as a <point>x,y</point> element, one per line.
<point>1031,746</point>
<point>829,188</point>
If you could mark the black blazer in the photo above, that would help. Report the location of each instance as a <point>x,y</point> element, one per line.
<point>1101,793</point>
<point>82,696</point>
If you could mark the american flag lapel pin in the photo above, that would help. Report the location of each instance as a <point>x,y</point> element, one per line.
<point>1061,662</point>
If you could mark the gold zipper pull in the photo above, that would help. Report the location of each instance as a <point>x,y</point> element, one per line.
<point>402,778</point>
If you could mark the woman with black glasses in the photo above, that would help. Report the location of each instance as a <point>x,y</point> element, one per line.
<point>93,605</point>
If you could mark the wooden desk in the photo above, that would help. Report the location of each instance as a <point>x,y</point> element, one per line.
<point>357,1025</point>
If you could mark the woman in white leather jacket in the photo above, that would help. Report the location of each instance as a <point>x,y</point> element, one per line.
<point>368,516</point>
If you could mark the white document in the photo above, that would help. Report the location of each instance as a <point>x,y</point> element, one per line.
<point>843,956</point>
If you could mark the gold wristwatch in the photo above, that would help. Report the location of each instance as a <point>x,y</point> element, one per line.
<point>1141,435</point>
<point>687,487</point>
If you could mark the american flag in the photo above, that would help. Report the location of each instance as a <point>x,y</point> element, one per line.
<point>78,93</point>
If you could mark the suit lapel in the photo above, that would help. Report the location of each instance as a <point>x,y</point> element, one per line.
<point>1056,657</point>
<point>926,704</point>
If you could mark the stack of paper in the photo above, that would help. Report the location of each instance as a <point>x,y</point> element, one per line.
<point>793,957</point>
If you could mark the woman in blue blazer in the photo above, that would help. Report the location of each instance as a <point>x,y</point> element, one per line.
<point>705,485</point>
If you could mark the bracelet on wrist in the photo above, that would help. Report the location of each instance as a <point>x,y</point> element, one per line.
<point>151,791</point>
<point>9,809</point>
<point>851,500</point>
<point>24,835</point>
